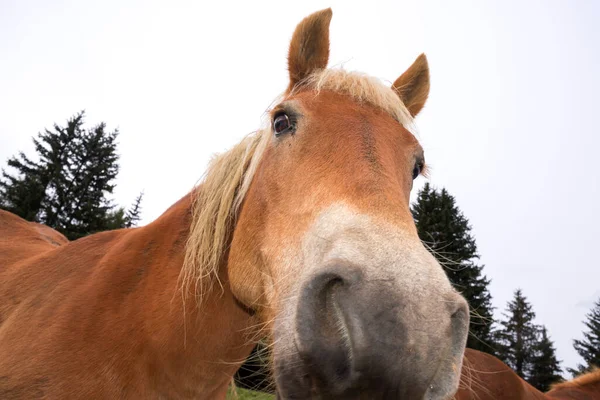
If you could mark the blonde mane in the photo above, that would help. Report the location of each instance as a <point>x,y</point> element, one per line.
<point>215,205</point>
<point>582,380</point>
<point>217,200</point>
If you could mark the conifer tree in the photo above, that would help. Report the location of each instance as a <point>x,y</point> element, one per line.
<point>517,336</point>
<point>22,195</point>
<point>446,232</point>
<point>68,187</point>
<point>545,367</point>
<point>25,194</point>
<point>589,347</point>
<point>132,216</point>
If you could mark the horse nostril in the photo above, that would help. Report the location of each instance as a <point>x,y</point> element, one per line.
<point>355,336</point>
<point>324,339</point>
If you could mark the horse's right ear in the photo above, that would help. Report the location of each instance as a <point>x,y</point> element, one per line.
<point>309,49</point>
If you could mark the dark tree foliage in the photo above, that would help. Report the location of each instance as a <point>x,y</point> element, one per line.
<point>447,233</point>
<point>133,215</point>
<point>21,195</point>
<point>589,347</point>
<point>545,368</point>
<point>517,336</point>
<point>526,347</point>
<point>68,187</point>
<point>26,193</point>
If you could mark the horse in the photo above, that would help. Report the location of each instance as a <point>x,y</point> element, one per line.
<point>485,377</point>
<point>583,387</point>
<point>301,233</point>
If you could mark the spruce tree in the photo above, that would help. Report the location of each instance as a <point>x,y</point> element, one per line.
<point>446,232</point>
<point>132,216</point>
<point>68,187</point>
<point>545,367</point>
<point>26,194</point>
<point>23,195</point>
<point>589,347</point>
<point>517,336</point>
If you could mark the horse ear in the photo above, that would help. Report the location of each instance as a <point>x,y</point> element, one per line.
<point>309,48</point>
<point>413,85</point>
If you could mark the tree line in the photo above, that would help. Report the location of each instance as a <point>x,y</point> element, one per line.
<point>68,184</point>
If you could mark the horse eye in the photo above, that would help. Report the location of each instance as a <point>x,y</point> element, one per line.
<point>417,170</point>
<point>282,124</point>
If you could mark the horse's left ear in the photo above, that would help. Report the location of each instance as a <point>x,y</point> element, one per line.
<point>413,85</point>
<point>309,49</point>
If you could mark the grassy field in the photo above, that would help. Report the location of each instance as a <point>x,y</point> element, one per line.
<point>243,394</point>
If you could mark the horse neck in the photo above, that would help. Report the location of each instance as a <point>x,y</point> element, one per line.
<point>201,344</point>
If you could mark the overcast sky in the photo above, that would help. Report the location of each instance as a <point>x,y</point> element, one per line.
<point>510,129</point>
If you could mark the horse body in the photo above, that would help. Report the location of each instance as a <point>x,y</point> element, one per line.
<point>484,377</point>
<point>584,387</point>
<point>301,233</point>
<point>97,317</point>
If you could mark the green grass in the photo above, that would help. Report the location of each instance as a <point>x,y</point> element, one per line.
<point>243,394</point>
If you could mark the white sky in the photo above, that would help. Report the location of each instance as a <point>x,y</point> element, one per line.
<point>510,129</point>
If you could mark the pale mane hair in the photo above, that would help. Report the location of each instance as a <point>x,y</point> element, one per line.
<point>362,88</point>
<point>217,200</point>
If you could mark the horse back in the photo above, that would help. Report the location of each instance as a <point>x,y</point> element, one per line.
<point>573,394</point>
<point>583,387</point>
<point>485,377</point>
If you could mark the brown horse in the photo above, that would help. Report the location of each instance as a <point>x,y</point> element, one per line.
<point>484,377</point>
<point>301,233</point>
<point>584,387</point>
